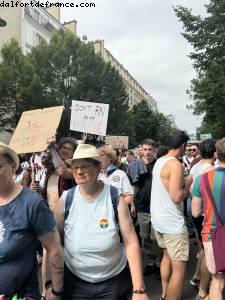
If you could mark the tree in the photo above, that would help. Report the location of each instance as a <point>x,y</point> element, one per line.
<point>16,82</point>
<point>54,74</point>
<point>166,126</point>
<point>70,70</point>
<point>207,36</point>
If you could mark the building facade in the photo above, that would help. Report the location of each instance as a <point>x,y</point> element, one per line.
<point>135,91</point>
<point>30,25</point>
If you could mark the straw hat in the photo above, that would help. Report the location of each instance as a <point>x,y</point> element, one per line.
<point>6,149</point>
<point>85,151</point>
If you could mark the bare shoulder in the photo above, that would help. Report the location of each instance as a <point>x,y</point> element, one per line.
<point>172,164</point>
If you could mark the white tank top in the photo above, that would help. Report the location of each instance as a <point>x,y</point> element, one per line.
<point>166,216</point>
<point>92,246</point>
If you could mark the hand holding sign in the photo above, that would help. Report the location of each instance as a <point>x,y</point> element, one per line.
<point>51,142</point>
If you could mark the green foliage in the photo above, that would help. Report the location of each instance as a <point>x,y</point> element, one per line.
<point>55,74</point>
<point>16,83</point>
<point>67,69</point>
<point>149,124</point>
<point>207,36</point>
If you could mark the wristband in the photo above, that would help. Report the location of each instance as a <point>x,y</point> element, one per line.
<point>48,284</point>
<point>59,294</point>
<point>140,291</point>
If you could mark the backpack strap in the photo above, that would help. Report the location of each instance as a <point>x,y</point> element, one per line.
<point>69,201</point>
<point>115,200</point>
<point>115,197</point>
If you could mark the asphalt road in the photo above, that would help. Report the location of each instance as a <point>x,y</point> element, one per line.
<point>154,285</point>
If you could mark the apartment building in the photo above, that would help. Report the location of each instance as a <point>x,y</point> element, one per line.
<point>135,91</point>
<point>29,25</point>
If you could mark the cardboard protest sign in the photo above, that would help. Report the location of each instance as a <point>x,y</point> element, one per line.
<point>117,141</point>
<point>89,117</point>
<point>34,128</point>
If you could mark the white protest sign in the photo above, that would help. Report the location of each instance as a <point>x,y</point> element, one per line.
<point>89,117</point>
<point>34,128</point>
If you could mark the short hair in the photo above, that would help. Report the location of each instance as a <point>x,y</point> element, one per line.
<point>149,142</point>
<point>108,151</point>
<point>177,139</point>
<point>68,140</point>
<point>8,158</point>
<point>163,150</point>
<point>194,144</point>
<point>220,149</point>
<point>207,148</point>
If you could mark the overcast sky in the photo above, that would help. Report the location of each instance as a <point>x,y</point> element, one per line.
<point>145,36</point>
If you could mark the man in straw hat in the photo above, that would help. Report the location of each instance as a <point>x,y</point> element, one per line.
<point>24,219</point>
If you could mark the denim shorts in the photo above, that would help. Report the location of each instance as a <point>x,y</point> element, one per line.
<point>118,287</point>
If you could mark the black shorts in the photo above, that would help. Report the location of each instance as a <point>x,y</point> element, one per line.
<point>118,287</point>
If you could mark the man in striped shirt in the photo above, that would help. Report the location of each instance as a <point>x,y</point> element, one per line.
<point>201,203</point>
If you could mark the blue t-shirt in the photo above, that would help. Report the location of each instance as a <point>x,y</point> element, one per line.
<point>22,221</point>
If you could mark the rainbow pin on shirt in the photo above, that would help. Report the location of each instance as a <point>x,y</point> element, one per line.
<point>103,223</point>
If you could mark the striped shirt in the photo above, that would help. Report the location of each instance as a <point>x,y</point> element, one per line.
<point>217,185</point>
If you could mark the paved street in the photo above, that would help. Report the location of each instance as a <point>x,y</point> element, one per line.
<point>154,285</point>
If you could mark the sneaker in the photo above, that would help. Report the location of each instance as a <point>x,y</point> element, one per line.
<point>195,282</point>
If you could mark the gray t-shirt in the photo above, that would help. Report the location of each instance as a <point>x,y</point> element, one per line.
<point>22,221</point>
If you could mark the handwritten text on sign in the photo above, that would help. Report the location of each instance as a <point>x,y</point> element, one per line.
<point>117,141</point>
<point>89,117</point>
<point>34,128</point>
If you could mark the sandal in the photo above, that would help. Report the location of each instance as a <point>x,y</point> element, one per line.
<point>202,298</point>
<point>195,282</point>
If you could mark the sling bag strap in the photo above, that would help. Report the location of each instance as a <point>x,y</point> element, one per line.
<point>210,195</point>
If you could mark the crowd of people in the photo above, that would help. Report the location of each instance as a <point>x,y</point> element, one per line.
<point>80,222</point>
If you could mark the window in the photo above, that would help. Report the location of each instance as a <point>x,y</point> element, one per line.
<point>36,15</point>
<point>38,39</point>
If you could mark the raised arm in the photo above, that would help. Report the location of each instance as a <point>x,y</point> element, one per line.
<point>60,165</point>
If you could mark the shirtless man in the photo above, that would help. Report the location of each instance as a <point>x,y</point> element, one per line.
<point>169,189</point>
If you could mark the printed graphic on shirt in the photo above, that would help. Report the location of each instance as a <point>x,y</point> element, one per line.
<point>103,223</point>
<point>116,178</point>
<point>2,231</point>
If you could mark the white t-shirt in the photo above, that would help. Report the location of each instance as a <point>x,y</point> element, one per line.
<point>198,169</point>
<point>118,179</point>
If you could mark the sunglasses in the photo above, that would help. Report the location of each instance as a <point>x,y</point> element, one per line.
<point>193,150</point>
<point>84,168</point>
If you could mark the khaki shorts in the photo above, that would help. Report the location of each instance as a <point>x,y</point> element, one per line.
<point>177,245</point>
<point>209,257</point>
